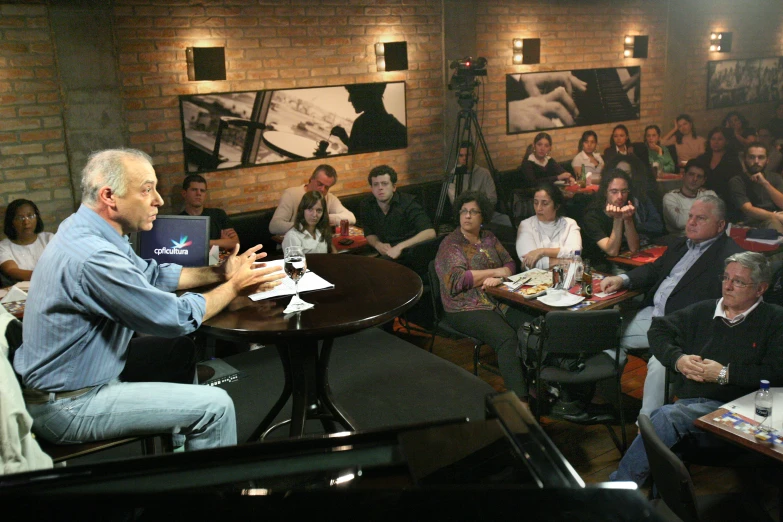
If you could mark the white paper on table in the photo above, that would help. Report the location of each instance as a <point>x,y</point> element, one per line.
<point>309,282</point>
<point>746,406</point>
<point>777,241</point>
<point>297,305</point>
<point>14,294</point>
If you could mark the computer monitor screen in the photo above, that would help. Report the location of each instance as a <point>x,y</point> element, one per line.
<point>183,240</point>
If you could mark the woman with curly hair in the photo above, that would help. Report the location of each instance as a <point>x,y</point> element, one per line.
<point>25,242</point>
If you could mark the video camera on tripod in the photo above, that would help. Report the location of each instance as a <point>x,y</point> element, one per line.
<point>464,79</point>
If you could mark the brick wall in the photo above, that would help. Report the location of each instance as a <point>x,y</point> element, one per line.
<point>574,35</point>
<point>274,45</point>
<point>33,163</point>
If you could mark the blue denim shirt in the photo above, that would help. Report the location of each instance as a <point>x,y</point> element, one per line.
<point>88,294</point>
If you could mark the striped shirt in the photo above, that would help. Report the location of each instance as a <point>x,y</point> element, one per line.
<point>88,294</point>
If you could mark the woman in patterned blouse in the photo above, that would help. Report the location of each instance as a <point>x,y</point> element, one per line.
<point>469,260</point>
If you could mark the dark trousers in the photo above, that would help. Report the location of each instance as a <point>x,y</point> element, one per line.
<point>500,332</point>
<point>158,359</point>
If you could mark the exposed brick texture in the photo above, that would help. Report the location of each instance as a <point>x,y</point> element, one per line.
<point>33,164</point>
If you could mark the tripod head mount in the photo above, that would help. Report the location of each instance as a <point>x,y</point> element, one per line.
<point>464,81</point>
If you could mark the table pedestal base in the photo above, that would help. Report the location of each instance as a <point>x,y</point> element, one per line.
<point>306,379</point>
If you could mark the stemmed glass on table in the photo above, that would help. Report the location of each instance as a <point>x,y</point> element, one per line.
<point>295,267</point>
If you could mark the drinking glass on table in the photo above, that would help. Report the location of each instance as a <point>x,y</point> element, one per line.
<point>295,265</point>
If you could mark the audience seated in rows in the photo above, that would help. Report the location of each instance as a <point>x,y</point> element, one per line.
<point>589,158</point>
<point>721,163</point>
<point>469,260</point>
<point>719,351</point>
<point>221,231</point>
<point>393,221</point>
<point>538,165</point>
<point>677,203</point>
<point>655,154</point>
<point>545,239</point>
<point>323,178</point>
<point>683,136</point>
<point>85,378</point>
<point>311,229</point>
<point>608,226</point>
<point>686,273</point>
<point>24,243</point>
<point>757,195</point>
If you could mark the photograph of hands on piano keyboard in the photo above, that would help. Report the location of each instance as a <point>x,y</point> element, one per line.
<point>548,100</point>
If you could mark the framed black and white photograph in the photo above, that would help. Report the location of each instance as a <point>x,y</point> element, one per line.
<point>741,82</point>
<point>548,100</point>
<point>249,128</point>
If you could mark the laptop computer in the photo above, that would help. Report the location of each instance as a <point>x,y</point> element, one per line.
<point>183,240</point>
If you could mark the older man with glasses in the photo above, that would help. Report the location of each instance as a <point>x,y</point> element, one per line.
<point>719,350</point>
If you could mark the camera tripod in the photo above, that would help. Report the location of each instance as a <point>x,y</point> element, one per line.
<point>467,127</point>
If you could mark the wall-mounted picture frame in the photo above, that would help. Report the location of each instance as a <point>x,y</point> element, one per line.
<point>249,128</point>
<point>744,82</point>
<point>553,99</point>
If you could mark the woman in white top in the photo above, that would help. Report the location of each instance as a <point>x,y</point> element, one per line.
<point>589,157</point>
<point>547,237</point>
<point>311,228</point>
<point>25,241</point>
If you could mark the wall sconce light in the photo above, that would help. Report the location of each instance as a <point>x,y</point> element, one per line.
<point>525,50</point>
<point>391,56</point>
<point>206,63</point>
<point>720,42</point>
<point>635,46</point>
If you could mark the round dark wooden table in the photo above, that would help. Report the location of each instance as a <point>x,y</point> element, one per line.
<point>367,292</point>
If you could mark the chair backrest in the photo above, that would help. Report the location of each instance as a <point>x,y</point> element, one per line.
<point>587,332</point>
<point>670,476</point>
<point>437,304</point>
<point>419,255</point>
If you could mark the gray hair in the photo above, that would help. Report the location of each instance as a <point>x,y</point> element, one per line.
<point>719,207</point>
<point>758,265</point>
<point>107,168</point>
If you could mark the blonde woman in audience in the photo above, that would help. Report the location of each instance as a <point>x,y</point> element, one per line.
<point>546,237</point>
<point>25,242</point>
<point>311,228</point>
<point>683,136</point>
<point>589,157</point>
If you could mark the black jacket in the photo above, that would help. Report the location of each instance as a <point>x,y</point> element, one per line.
<point>699,283</point>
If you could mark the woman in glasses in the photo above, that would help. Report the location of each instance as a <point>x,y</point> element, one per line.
<point>470,260</point>
<point>547,236</point>
<point>25,241</point>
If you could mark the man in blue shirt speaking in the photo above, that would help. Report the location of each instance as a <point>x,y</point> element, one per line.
<point>85,378</point>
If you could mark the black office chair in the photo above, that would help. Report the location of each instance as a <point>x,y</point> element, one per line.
<point>441,327</point>
<point>675,487</point>
<point>584,335</point>
<point>417,258</point>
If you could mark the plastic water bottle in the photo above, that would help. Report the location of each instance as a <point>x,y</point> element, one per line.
<point>580,267</point>
<point>764,405</point>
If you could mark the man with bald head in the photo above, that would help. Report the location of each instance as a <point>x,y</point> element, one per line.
<point>85,378</point>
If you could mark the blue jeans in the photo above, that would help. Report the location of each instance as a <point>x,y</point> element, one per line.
<point>203,414</point>
<point>673,423</point>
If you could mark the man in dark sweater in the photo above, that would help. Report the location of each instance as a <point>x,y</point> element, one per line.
<point>720,351</point>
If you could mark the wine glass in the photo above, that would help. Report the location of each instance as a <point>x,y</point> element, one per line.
<point>295,266</point>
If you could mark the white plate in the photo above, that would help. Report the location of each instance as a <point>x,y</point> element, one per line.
<point>568,299</point>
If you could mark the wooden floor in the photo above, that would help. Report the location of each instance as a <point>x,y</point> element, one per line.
<point>590,449</point>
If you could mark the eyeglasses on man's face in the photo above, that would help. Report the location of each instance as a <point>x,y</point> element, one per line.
<point>739,283</point>
<point>29,217</point>
<point>616,192</point>
<point>473,212</point>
